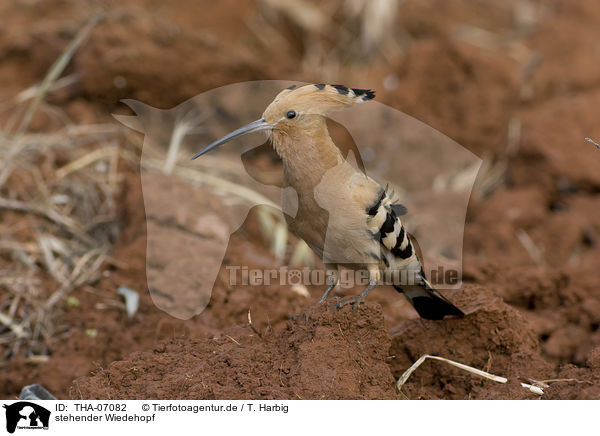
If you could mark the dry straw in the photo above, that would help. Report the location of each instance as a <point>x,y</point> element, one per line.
<point>56,233</point>
<point>404,378</point>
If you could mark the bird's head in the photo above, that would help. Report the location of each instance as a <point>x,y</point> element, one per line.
<point>296,111</point>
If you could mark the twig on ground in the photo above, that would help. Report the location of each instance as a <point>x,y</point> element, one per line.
<point>404,377</point>
<point>532,249</point>
<point>254,329</point>
<point>593,142</point>
<point>233,340</point>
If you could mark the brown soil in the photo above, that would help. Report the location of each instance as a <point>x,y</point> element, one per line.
<point>530,315</point>
<point>241,364</point>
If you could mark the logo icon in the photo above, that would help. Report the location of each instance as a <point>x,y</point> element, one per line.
<point>26,415</point>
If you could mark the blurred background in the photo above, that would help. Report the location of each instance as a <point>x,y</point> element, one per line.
<point>516,82</point>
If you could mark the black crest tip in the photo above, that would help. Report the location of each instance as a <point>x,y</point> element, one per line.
<point>320,86</point>
<point>291,87</point>
<point>341,89</point>
<point>366,94</point>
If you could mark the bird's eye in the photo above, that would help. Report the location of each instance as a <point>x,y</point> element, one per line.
<point>290,114</point>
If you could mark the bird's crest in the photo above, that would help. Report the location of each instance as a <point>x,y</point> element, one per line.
<point>319,99</point>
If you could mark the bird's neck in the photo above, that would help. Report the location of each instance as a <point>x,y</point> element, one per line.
<point>307,155</point>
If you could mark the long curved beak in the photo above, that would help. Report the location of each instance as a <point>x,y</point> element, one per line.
<point>254,126</point>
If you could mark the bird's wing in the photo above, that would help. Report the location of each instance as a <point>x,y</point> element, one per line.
<point>386,226</point>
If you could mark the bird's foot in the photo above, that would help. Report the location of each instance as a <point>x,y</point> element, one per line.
<point>323,299</point>
<point>354,300</point>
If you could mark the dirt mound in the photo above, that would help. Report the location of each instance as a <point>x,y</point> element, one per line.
<point>492,336</point>
<point>457,71</point>
<point>542,259</point>
<point>553,151</point>
<point>136,48</point>
<point>321,354</point>
<point>574,383</point>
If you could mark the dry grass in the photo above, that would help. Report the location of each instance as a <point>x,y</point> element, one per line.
<point>534,388</point>
<point>58,220</point>
<point>329,35</point>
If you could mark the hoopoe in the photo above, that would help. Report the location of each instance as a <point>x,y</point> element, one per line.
<point>345,216</point>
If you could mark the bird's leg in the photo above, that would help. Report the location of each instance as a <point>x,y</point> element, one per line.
<point>333,279</point>
<point>327,292</point>
<point>360,298</point>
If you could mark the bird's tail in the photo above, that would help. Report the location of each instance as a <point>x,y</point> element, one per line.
<point>428,302</point>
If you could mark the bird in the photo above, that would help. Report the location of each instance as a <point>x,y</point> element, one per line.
<point>346,217</point>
